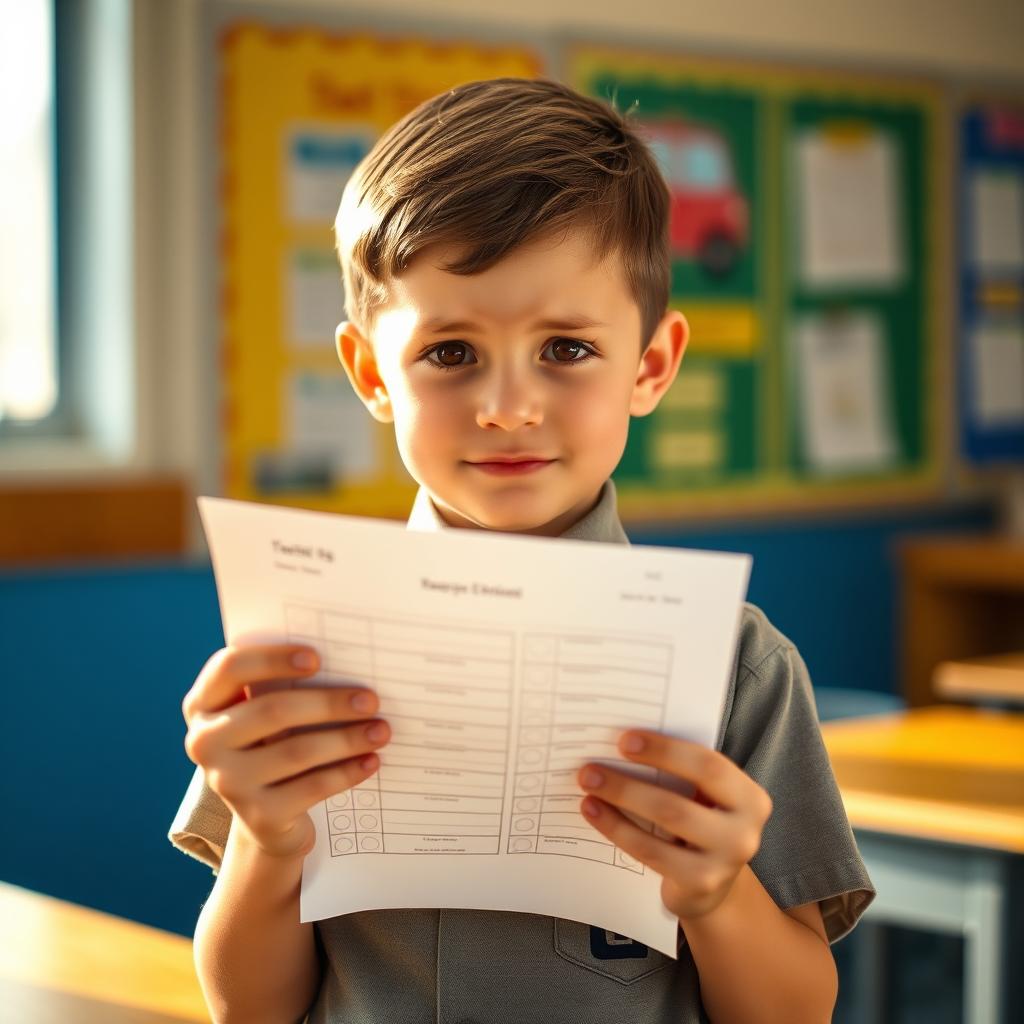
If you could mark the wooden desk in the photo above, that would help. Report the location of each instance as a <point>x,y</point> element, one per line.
<point>61,963</point>
<point>936,798</point>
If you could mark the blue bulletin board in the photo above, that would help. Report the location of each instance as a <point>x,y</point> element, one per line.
<point>991,283</point>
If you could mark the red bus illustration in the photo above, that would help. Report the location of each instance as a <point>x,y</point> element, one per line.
<point>709,215</point>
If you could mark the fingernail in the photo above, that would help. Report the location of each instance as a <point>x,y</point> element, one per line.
<point>362,702</point>
<point>592,778</point>
<point>633,744</point>
<point>591,808</point>
<point>368,762</point>
<point>376,732</point>
<point>304,660</point>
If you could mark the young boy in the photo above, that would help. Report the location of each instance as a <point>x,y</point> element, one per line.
<point>507,278</point>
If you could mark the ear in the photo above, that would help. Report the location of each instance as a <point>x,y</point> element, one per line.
<point>356,355</point>
<point>659,363</point>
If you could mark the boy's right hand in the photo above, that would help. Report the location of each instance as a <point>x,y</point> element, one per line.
<point>270,780</point>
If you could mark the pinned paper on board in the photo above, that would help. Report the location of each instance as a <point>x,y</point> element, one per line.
<point>997,373</point>
<point>844,393</point>
<point>692,449</point>
<point>326,420</point>
<point>997,221</point>
<point>316,298</point>
<point>319,163</point>
<point>850,208</point>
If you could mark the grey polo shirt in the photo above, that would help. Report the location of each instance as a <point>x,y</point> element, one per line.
<point>496,967</point>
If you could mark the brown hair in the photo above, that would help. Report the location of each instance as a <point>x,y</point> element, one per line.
<point>492,164</point>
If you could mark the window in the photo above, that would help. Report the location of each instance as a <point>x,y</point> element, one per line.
<point>68,373</point>
<point>28,345</point>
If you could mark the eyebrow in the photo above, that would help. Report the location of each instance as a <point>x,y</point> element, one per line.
<point>442,325</point>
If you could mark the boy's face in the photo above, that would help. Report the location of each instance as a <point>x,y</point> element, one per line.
<point>487,367</point>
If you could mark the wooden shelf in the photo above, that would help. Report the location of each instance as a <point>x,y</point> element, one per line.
<point>999,677</point>
<point>962,598</point>
<point>76,521</point>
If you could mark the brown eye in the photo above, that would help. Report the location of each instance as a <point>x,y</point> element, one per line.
<point>449,355</point>
<point>570,350</point>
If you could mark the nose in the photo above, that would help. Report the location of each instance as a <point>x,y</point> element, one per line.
<point>509,399</point>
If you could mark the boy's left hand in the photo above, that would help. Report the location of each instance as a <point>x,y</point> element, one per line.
<point>717,831</point>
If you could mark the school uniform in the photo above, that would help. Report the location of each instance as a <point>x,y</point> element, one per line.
<point>495,967</point>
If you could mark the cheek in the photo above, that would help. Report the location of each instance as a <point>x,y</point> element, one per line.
<point>599,412</point>
<point>424,425</point>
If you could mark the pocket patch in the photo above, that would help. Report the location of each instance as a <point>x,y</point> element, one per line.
<point>606,945</point>
<point>604,952</point>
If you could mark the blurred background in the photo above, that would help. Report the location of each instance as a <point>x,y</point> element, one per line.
<point>847,237</point>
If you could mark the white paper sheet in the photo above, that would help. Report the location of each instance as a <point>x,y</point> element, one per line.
<point>316,298</point>
<point>997,364</point>
<point>326,418</point>
<point>502,664</point>
<point>849,200</point>
<point>844,393</point>
<point>318,162</point>
<point>997,221</point>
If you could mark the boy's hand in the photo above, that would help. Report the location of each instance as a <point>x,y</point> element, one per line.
<point>267,777</point>
<point>716,832</point>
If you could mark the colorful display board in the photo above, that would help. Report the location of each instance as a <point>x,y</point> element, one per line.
<point>807,232</point>
<point>298,109</point>
<point>991,271</point>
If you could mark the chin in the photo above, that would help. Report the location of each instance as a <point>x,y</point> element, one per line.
<point>493,516</point>
<point>510,522</point>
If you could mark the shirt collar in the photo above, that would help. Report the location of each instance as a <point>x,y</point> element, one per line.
<point>601,523</point>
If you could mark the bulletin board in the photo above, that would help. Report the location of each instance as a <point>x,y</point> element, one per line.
<point>808,238</point>
<point>991,280</point>
<point>298,107</point>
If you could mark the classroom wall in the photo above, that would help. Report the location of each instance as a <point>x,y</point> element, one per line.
<point>173,302</point>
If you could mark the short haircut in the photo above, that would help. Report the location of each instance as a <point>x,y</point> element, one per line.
<point>491,165</point>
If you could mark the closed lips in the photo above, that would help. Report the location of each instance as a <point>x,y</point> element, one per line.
<point>514,458</point>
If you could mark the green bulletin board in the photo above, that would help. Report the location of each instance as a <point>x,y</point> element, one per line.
<point>806,240</point>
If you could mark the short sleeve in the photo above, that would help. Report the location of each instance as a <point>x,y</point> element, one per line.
<point>201,826</point>
<point>808,851</point>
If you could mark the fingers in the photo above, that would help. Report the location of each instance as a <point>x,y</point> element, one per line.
<point>244,725</point>
<point>223,679</point>
<point>727,785</point>
<point>682,817</point>
<point>271,813</point>
<point>265,756</point>
<point>666,858</point>
<point>284,759</point>
<point>289,799</point>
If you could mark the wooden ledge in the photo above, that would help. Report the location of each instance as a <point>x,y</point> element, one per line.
<point>110,519</point>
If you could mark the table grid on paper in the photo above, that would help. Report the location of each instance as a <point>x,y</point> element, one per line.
<point>441,784</point>
<point>579,692</point>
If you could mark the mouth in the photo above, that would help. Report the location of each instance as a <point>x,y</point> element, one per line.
<point>510,466</point>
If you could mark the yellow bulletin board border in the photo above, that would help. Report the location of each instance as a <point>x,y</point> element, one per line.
<point>246,398</point>
<point>780,76</point>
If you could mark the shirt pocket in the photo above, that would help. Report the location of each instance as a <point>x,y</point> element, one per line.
<point>597,953</point>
